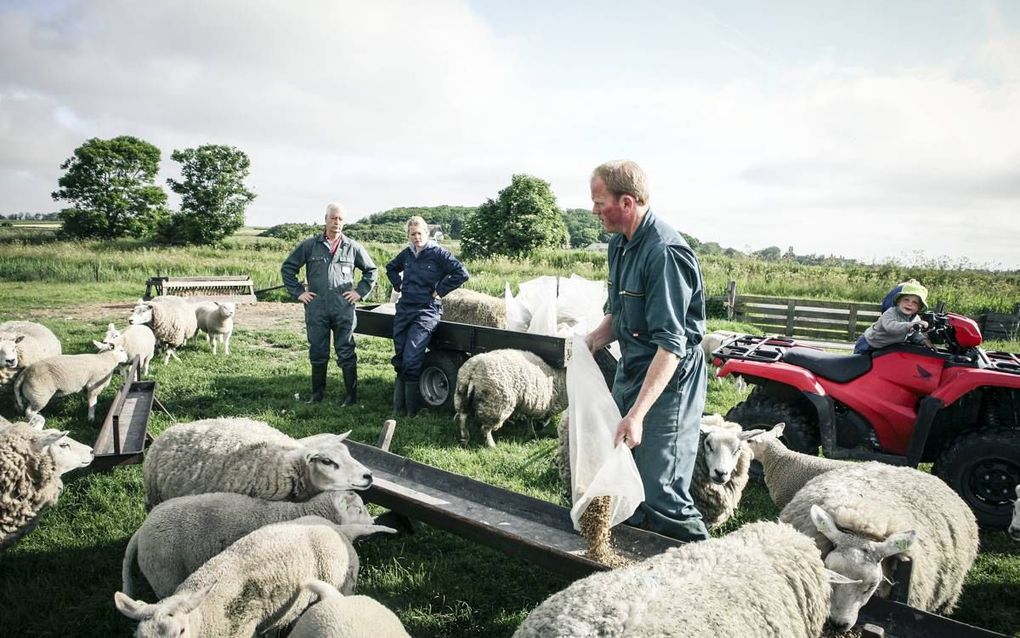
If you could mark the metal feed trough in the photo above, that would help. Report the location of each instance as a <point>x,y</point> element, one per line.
<point>236,288</point>
<point>125,431</point>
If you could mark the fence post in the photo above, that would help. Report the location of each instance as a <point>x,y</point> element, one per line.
<point>791,305</point>
<point>731,299</point>
<point>852,329</point>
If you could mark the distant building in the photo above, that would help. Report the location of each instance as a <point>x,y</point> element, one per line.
<point>436,232</point>
<point>597,245</point>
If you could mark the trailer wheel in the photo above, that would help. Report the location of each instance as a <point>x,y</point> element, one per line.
<point>983,466</point>
<point>439,378</point>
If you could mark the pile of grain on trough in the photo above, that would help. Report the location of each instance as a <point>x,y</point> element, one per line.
<point>595,529</point>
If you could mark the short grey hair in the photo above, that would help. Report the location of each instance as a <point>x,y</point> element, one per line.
<point>417,220</point>
<point>332,206</point>
<point>624,177</point>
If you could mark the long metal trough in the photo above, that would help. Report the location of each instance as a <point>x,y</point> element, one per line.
<point>125,429</point>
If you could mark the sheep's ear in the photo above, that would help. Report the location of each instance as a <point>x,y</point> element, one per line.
<point>356,530</point>
<point>133,609</point>
<point>101,346</point>
<point>896,544</point>
<point>110,326</point>
<point>187,602</point>
<point>824,524</point>
<point>749,434</point>
<point>18,338</point>
<point>777,430</point>
<point>707,429</point>
<point>321,589</point>
<point>341,437</point>
<point>839,579</point>
<point>49,437</point>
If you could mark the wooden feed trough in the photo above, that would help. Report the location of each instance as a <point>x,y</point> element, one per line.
<point>236,288</point>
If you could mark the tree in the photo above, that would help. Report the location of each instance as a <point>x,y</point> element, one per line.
<point>213,196</point>
<point>583,227</point>
<point>111,187</point>
<point>522,219</point>
<point>772,253</point>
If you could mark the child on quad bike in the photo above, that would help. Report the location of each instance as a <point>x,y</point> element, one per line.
<point>900,322</point>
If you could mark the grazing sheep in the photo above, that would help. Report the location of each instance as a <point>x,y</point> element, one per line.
<point>255,586</point>
<point>765,580</point>
<point>339,616</point>
<point>475,308</point>
<point>248,457</point>
<point>786,470</point>
<point>22,343</point>
<point>67,374</point>
<point>172,320</point>
<point>216,320</point>
<point>871,503</point>
<point>137,341</point>
<point>713,340</point>
<point>31,464</point>
<point>181,534</point>
<point>721,469</point>
<point>1014,526</point>
<point>493,386</point>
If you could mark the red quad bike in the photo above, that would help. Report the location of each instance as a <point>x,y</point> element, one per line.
<point>952,404</point>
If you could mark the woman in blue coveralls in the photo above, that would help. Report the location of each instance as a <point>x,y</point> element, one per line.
<point>423,273</point>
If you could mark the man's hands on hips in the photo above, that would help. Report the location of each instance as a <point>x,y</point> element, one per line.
<point>351,296</point>
<point>629,432</point>
<point>305,297</point>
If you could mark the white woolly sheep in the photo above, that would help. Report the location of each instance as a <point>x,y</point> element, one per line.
<point>786,470</point>
<point>248,457</point>
<point>172,320</point>
<point>254,586</point>
<point>711,342</point>
<point>216,320</point>
<point>31,464</point>
<point>1014,526</point>
<point>67,374</point>
<point>721,469</point>
<point>765,580</point>
<point>22,343</point>
<point>872,503</point>
<point>475,308</point>
<point>493,386</point>
<point>339,616</point>
<point>181,534</point>
<point>137,341</point>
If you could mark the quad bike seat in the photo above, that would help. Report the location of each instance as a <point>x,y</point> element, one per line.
<point>840,368</point>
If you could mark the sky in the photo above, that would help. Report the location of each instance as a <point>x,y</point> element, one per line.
<point>886,129</point>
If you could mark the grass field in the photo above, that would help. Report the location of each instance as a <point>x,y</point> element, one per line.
<point>60,579</point>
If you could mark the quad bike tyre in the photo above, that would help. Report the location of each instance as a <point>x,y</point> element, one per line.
<point>983,467</point>
<point>761,411</point>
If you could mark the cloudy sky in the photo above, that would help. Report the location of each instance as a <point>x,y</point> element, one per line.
<point>870,129</point>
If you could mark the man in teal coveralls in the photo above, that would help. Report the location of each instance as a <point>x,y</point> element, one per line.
<point>656,310</point>
<point>330,260</point>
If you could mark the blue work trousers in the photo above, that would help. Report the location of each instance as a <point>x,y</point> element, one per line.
<point>413,326</point>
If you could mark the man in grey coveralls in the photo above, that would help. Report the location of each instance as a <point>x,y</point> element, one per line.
<point>656,310</point>
<point>330,260</point>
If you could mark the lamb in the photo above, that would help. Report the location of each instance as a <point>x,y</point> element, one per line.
<point>31,464</point>
<point>255,585</point>
<point>137,341</point>
<point>67,374</point>
<point>172,320</point>
<point>1014,527</point>
<point>721,469</point>
<point>248,457</point>
<point>711,342</point>
<point>492,386</point>
<point>216,320</point>
<point>873,502</point>
<point>22,343</point>
<point>339,616</point>
<point>765,580</point>
<point>475,308</point>
<point>181,534</point>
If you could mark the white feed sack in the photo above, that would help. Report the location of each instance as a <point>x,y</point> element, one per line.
<point>556,306</point>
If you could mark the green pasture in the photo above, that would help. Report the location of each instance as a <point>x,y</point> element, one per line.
<point>60,579</point>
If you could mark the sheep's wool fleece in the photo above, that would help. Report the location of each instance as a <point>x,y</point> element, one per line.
<point>173,320</point>
<point>786,470</point>
<point>505,381</point>
<point>475,308</point>
<point>39,342</point>
<point>765,580</point>
<point>29,483</point>
<point>348,617</point>
<point>875,500</point>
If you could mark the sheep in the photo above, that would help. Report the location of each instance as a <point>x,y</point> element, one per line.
<point>172,320</point>
<point>181,534</point>
<point>721,469</point>
<point>765,580</point>
<point>31,464</point>
<point>138,341</point>
<point>216,320</point>
<point>22,343</point>
<point>873,502</point>
<point>495,385</point>
<point>248,457</point>
<point>475,308</point>
<point>1014,526</point>
<point>255,585</point>
<point>711,342</point>
<point>67,374</point>
<point>339,616</point>
<point>786,470</point>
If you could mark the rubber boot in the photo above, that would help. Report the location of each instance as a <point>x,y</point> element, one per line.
<point>399,407</point>
<point>318,383</point>
<point>412,398</point>
<point>351,384</point>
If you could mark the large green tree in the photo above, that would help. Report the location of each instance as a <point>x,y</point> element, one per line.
<point>583,227</point>
<point>213,195</point>
<point>111,187</point>
<point>521,220</point>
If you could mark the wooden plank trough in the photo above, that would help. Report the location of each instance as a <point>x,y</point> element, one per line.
<point>238,289</point>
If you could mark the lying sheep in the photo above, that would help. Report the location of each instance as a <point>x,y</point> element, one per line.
<point>475,308</point>
<point>248,457</point>
<point>493,386</point>
<point>67,374</point>
<point>872,503</point>
<point>216,320</point>
<point>31,464</point>
<point>255,586</point>
<point>172,320</point>
<point>181,534</point>
<point>22,343</point>
<point>765,580</point>
<point>1014,526</point>
<point>721,469</point>
<point>339,616</point>
<point>137,341</point>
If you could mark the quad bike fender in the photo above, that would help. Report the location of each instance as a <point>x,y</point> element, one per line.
<point>783,373</point>
<point>956,382</point>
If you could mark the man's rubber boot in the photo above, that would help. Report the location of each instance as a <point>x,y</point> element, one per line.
<point>318,383</point>
<point>399,407</point>
<point>351,384</point>
<point>412,398</point>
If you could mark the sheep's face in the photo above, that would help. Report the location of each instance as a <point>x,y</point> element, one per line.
<point>722,448</point>
<point>760,441</point>
<point>350,509</point>
<point>9,351</point>
<point>141,314</point>
<point>172,617</point>
<point>1014,527</point>
<point>112,334</point>
<point>226,309</point>
<point>331,466</point>
<point>67,454</point>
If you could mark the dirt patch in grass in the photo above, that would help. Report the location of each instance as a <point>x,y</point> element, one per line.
<point>272,315</point>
